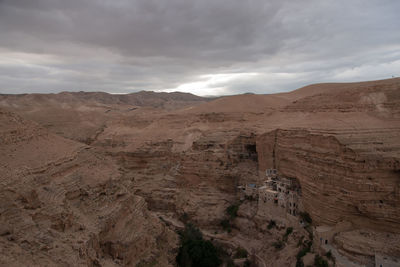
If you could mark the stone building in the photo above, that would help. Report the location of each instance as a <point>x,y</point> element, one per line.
<point>386,261</point>
<point>323,235</point>
<point>248,190</point>
<point>279,193</point>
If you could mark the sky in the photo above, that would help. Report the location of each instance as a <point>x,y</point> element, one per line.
<point>204,47</point>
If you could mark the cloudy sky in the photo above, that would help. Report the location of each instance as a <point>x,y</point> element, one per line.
<point>206,47</point>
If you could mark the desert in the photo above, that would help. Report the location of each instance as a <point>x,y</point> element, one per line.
<point>98,180</point>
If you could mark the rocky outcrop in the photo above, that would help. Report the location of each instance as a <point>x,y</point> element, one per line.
<point>63,204</point>
<point>201,181</point>
<point>362,244</point>
<point>338,183</point>
<point>379,97</point>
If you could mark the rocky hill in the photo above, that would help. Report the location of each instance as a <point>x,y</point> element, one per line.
<point>81,115</point>
<point>63,204</point>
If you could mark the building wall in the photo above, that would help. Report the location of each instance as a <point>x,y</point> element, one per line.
<point>383,261</point>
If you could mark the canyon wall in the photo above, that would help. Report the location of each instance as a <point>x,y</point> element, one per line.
<point>337,182</point>
<point>65,204</point>
<point>201,181</point>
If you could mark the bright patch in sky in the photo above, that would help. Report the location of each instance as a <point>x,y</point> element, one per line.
<point>212,84</point>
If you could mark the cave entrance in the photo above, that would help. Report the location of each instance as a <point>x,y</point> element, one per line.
<point>251,150</point>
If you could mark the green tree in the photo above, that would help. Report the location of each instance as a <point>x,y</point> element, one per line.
<point>195,251</point>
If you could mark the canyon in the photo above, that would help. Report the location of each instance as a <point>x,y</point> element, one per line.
<point>93,179</point>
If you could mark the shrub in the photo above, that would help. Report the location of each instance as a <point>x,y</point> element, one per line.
<point>271,224</point>
<point>329,254</point>
<point>230,263</point>
<point>299,263</point>
<point>302,253</point>
<point>305,249</point>
<point>240,253</point>
<point>320,262</point>
<point>226,225</point>
<point>195,251</point>
<point>306,217</point>
<point>232,210</point>
<point>184,217</point>
<point>289,230</point>
<point>278,244</point>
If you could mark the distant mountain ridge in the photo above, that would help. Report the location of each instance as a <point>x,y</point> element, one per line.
<point>142,98</point>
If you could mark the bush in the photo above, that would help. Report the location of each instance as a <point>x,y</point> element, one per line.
<point>278,244</point>
<point>304,250</point>
<point>320,262</point>
<point>226,225</point>
<point>232,210</point>
<point>306,217</point>
<point>230,263</point>
<point>195,251</point>
<point>184,217</point>
<point>299,263</point>
<point>271,224</point>
<point>329,255</point>
<point>232,214</point>
<point>240,253</point>
<point>289,230</point>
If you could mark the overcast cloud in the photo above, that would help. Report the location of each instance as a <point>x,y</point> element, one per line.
<point>206,47</point>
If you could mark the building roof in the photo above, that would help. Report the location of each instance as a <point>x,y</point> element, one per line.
<point>323,228</point>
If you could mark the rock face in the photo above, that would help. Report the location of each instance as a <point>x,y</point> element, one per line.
<point>338,183</point>
<point>63,204</point>
<point>200,182</point>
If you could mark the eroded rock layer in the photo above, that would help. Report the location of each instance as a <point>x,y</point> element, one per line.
<point>200,182</point>
<point>62,204</point>
<point>338,183</point>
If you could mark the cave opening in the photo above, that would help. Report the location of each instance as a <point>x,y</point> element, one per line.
<point>252,151</point>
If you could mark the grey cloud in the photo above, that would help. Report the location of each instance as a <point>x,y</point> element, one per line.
<point>123,46</point>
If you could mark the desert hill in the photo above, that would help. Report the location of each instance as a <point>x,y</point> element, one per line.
<point>81,115</point>
<point>142,98</point>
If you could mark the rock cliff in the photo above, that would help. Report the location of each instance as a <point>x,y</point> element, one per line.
<point>338,183</point>
<point>62,204</point>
